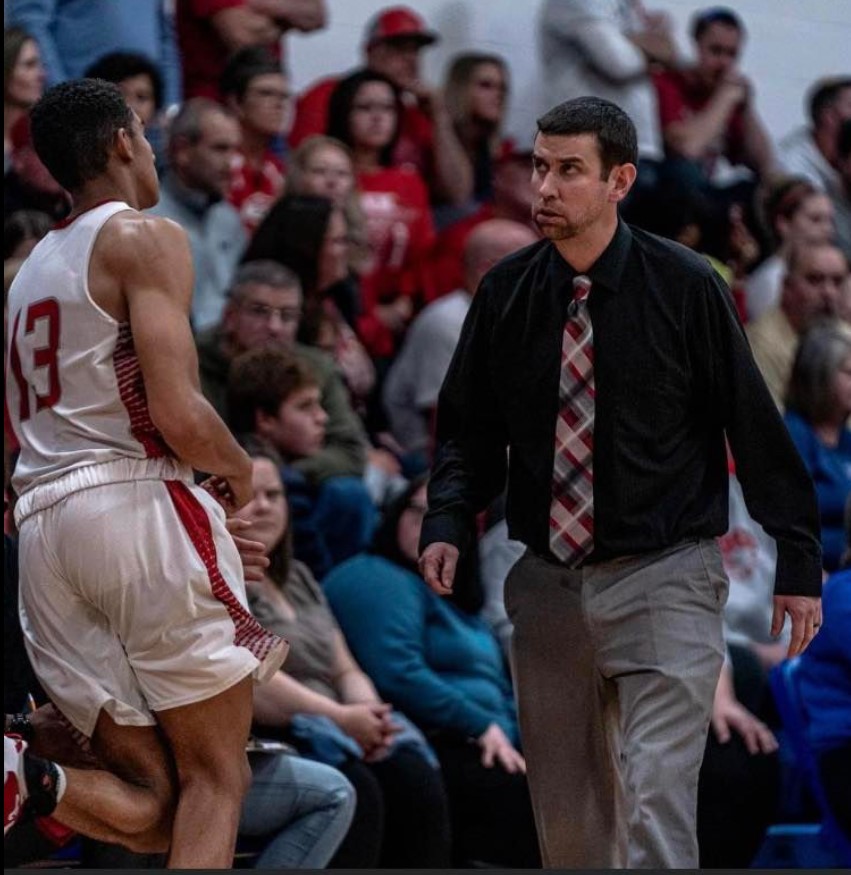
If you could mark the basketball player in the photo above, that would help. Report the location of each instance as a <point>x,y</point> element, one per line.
<point>132,593</point>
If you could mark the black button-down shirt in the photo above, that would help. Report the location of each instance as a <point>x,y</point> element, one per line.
<point>673,374</point>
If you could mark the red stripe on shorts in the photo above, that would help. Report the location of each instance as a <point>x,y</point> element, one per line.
<point>249,633</point>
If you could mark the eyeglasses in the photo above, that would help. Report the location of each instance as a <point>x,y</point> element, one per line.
<point>263,312</point>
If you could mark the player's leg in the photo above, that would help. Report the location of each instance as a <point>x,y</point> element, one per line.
<point>207,740</point>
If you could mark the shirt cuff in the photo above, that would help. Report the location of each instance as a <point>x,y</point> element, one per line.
<point>799,571</point>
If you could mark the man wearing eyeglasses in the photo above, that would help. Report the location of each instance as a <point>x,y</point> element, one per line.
<point>814,278</point>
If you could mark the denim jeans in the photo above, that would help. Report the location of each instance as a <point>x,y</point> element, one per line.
<point>299,810</point>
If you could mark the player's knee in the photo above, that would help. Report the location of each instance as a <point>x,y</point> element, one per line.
<point>228,776</point>
<point>148,829</point>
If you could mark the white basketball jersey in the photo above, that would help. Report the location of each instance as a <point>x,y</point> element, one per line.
<point>74,388</point>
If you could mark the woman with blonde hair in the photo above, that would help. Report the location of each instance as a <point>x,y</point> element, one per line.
<point>476,95</point>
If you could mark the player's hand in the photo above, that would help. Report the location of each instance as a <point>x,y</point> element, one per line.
<point>437,566</point>
<point>805,612</point>
<point>251,553</point>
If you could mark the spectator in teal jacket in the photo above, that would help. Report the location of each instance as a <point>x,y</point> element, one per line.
<point>445,670</point>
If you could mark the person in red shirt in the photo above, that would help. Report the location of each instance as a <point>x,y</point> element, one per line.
<point>209,31</point>
<point>512,199</point>
<point>364,113</point>
<point>707,111</point>
<point>393,43</point>
<point>258,94</point>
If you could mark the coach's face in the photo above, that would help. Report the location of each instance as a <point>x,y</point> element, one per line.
<point>570,191</point>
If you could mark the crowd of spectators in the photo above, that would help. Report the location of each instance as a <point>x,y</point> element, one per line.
<point>338,236</point>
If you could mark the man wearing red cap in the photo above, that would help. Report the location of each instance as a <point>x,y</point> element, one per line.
<point>392,43</point>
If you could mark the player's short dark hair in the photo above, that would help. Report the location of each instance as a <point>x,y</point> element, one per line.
<point>615,132</point>
<point>118,67</point>
<point>73,129</point>
<point>704,19</point>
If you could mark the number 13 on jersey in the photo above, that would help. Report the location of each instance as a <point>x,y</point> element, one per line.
<point>43,370</point>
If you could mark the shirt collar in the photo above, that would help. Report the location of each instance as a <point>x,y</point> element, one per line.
<point>607,271</point>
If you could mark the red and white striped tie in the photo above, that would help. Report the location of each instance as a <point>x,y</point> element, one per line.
<point>572,508</point>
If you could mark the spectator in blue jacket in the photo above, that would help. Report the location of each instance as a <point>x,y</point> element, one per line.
<point>818,404</point>
<point>443,668</point>
<point>824,676</point>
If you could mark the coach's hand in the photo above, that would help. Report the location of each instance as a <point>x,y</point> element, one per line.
<point>437,566</point>
<point>805,612</point>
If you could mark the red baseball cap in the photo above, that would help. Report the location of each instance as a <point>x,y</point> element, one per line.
<point>399,22</point>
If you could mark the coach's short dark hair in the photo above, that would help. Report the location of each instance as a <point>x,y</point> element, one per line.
<point>73,127</point>
<point>704,19</point>
<point>613,128</point>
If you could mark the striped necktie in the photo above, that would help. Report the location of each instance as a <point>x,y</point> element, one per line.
<point>572,507</point>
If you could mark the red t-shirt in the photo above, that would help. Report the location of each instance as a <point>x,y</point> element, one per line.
<point>203,52</point>
<point>680,96</point>
<point>253,190</point>
<point>416,137</point>
<point>401,236</point>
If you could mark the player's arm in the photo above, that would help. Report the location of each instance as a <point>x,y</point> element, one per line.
<point>154,262</point>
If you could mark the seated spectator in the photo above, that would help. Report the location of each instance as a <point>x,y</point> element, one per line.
<point>258,93</point>
<point>795,211</point>
<point>818,404</point>
<point>27,184</point>
<point>328,707</point>
<point>203,142</point>
<point>707,111</point>
<point>414,380</point>
<point>72,36</point>
<point>445,670</point>
<point>323,167</point>
<point>364,113</point>
<point>22,230</point>
<point>512,200</point>
<point>274,394</point>
<point>811,151</point>
<point>811,289</point>
<point>141,84</point>
<point>309,235</point>
<point>393,42</point>
<point>209,31</point>
<point>824,688</point>
<point>476,95</point>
